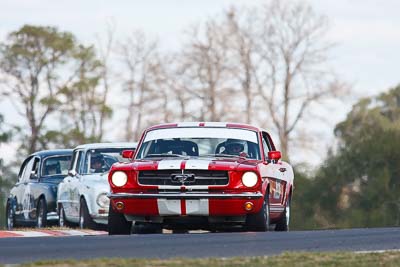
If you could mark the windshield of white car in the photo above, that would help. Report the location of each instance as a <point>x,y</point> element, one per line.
<point>200,142</point>
<point>101,160</point>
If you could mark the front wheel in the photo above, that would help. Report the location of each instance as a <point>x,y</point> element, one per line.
<point>41,214</point>
<point>62,221</point>
<point>283,224</point>
<point>117,223</point>
<point>10,216</point>
<point>85,220</point>
<point>259,221</point>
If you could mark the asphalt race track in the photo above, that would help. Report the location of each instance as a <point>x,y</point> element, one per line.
<point>18,250</point>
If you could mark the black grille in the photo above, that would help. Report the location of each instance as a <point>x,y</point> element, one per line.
<point>189,177</point>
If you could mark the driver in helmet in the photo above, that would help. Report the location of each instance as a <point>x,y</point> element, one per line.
<point>97,163</point>
<point>234,147</point>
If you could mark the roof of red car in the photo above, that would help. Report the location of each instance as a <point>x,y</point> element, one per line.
<point>204,124</point>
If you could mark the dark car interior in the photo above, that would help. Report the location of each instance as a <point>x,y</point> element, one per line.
<point>176,146</point>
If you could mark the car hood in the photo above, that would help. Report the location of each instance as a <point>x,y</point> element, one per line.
<point>228,164</point>
<point>96,178</point>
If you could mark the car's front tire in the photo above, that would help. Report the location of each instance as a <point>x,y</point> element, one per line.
<point>283,224</point>
<point>62,221</point>
<point>41,214</point>
<point>260,221</point>
<point>10,216</point>
<point>85,220</point>
<point>117,223</point>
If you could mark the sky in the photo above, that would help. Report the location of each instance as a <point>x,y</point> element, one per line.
<point>366,33</point>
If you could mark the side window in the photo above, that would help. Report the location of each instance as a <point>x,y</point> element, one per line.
<point>36,165</point>
<point>76,159</point>
<point>26,174</point>
<point>78,166</point>
<point>267,144</point>
<point>22,169</point>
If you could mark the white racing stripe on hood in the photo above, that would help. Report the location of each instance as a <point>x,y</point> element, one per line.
<point>169,165</point>
<point>197,164</point>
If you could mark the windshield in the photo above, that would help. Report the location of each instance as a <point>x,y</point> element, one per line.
<point>101,160</point>
<point>56,165</point>
<point>200,142</point>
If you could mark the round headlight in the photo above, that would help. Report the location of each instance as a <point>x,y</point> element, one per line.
<point>249,179</point>
<point>103,201</point>
<point>119,178</point>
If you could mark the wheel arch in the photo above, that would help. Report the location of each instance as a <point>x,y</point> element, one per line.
<point>87,200</point>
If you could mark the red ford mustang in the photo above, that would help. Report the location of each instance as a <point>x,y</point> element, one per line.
<point>201,176</point>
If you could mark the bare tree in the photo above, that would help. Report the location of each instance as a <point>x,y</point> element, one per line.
<point>140,57</point>
<point>206,71</point>
<point>293,74</point>
<point>243,43</point>
<point>105,48</point>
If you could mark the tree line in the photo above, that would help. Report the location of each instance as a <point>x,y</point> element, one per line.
<point>265,65</point>
<point>358,185</point>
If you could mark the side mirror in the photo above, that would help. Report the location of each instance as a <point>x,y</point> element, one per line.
<point>33,175</point>
<point>274,155</point>
<point>71,173</point>
<point>128,154</point>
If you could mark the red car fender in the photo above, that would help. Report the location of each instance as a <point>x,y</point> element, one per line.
<point>265,186</point>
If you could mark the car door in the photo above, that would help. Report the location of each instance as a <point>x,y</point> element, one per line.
<point>73,187</point>
<point>23,193</point>
<point>32,190</point>
<point>275,172</point>
<point>17,191</point>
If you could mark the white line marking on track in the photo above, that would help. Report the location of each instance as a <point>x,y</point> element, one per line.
<point>50,233</point>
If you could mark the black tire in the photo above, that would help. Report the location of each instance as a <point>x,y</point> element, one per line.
<point>85,220</point>
<point>10,216</point>
<point>41,214</point>
<point>147,228</point>
<point>283,224</point>
<point>62,221</point>
<point>117,224</point>
<point>260,221</point>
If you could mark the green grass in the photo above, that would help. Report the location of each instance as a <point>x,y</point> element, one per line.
<point>286,259</point>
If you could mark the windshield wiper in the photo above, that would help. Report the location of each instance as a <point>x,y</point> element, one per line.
<point>163,156</point>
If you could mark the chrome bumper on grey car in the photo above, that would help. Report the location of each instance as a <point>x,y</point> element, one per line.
<point>52,216</point>
<point>186,195</point>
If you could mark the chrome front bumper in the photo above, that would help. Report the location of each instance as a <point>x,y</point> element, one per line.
<point>52,216</point>
<point>187,195</point>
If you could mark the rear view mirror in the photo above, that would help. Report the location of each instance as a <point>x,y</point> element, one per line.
<point>128,154</point>
<point>71,173</point>
<point>274,155</point>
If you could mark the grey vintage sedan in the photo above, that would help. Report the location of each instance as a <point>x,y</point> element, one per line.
<point>32,200</point>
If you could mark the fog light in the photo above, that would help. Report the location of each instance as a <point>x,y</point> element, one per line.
<point>248,206</point>
<point>119,205</point>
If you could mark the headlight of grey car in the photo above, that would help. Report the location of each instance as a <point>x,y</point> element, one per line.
<point>103,201</point>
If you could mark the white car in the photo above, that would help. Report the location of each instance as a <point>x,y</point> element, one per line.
<point>82,195</point>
